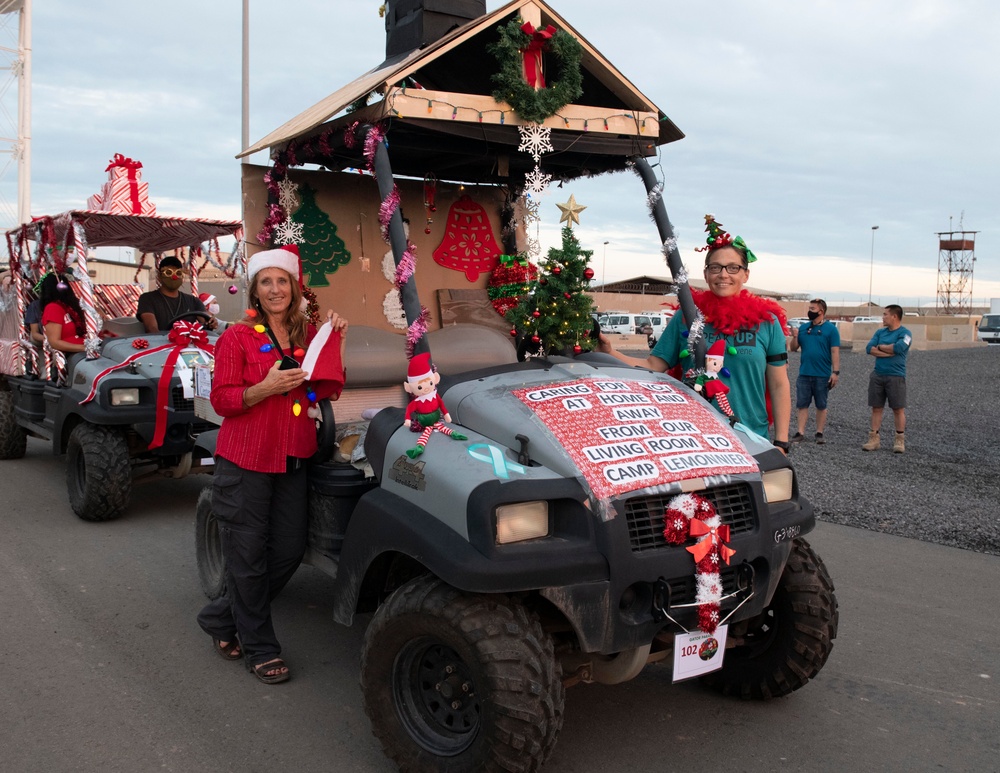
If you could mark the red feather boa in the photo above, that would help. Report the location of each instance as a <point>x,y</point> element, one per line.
<point>738,312</point>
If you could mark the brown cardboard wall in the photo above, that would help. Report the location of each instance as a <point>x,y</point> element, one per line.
<point>357,290</point>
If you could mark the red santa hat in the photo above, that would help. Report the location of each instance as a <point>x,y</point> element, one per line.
<point>419,368</point>
<point>286,257</point>
<point>207,299</point>
<point>718,349</point>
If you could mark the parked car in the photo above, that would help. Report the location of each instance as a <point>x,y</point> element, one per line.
<point>876,320</point>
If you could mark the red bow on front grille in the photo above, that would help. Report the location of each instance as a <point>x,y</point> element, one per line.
<point>182,335</point>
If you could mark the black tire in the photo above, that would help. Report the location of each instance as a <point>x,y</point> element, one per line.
<point>208,547</point>
<point>790,641</point>
<point>454,682</point>
<point>98,473</point>
<point>13,438</point>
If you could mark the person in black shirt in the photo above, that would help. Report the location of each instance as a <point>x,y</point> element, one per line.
<point>158,308</point>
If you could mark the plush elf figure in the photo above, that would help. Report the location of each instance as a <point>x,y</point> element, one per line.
<point>426,408</point>
<point>709,383</point>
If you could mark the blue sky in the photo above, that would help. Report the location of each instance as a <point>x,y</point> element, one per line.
<point>806,123</point>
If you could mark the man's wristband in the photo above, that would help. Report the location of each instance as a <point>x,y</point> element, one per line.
<point>782,444</point>
<point>836,373</point>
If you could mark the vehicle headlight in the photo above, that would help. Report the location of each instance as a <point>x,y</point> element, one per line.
<point>778,484</point>
<point>522,521</point>
<point>125,396</point>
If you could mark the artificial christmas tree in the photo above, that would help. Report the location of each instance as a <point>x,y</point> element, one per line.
<point>557,310</point>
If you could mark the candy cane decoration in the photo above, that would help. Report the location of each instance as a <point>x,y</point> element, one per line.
<point>86,291</point>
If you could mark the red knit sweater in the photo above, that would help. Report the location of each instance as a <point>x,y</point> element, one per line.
<point>262,437</point>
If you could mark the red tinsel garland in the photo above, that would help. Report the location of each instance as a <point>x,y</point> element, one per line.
<point>739,312</point>
<point>691,515</point>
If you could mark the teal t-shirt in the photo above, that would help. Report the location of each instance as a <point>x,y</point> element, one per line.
<point>816,341</point>
<point>900,338</point>
<point>747,381</point>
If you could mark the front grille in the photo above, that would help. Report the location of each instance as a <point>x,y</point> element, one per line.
<point>179,401</point>
<point>733,503</point>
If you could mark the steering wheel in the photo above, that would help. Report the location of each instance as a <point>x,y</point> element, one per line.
<point>205,316</point>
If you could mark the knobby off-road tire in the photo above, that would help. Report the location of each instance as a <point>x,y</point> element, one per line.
<point>98,473</point>
<point>13,439</point>
<point>208,547</point>
<point>789,643</point>
<point>455,682</point>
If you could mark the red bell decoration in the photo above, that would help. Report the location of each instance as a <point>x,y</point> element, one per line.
<point>588,274</point>
<point>468,244</point>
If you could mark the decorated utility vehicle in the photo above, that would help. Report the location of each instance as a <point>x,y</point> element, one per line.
<point>124,409</point>
<point>595,518</point>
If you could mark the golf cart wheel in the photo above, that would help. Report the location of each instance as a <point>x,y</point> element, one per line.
<point>455,682</point>
<point>13,439</point>
<point>786,645</point>
<point>98,472</point>
<point>208,547</point>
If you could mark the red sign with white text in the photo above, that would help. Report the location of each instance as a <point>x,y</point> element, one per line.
<point>627,435</point>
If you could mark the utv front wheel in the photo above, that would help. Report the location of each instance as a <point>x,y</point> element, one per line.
<point>455,682</point>
<point>98,473</point>
<point>13,440</point>
<point>208,547</point>
<point>787,645</point>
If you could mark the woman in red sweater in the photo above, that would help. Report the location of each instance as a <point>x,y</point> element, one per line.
<point>62,316</point>
<point>259,492</point>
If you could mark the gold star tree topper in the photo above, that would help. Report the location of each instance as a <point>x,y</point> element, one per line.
<point>570,211</point>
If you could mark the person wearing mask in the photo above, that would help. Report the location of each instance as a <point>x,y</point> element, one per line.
<point>158,308</point>
<point>889,346</point>
<point>259,493</point>
<point>746,322</point>
<point>819,367</point>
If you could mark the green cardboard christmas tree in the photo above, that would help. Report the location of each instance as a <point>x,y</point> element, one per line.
<point>322,251</point>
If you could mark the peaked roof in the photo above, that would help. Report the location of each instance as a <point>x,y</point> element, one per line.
<point>610,86</point>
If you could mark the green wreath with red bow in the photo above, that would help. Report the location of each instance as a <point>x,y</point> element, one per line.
<point>521,82</point>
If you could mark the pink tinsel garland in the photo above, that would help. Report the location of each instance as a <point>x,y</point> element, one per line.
<point>416,331</point>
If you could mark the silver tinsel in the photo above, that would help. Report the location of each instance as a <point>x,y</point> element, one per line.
<point>682,276</point>
<point>654,196</point>
<point>696,331</point>
<point>669,246</point>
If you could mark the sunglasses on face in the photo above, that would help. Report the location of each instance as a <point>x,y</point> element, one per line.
<point>172,273</point>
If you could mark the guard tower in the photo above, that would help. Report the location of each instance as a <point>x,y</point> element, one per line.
<point>956,260</point>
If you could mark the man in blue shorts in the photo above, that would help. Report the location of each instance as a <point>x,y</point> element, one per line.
<point>889,346</point>
<point>819,367</point>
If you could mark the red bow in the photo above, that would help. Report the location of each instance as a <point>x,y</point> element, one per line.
<point>182,335</point>
<point>124,163</point>
<point>532,55</point>
<point>714,537</point>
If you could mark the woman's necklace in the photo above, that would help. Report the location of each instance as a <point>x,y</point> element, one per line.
<point>272,344</point>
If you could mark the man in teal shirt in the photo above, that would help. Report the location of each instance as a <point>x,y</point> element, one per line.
<point>819,367</point>
<point>889,346</point>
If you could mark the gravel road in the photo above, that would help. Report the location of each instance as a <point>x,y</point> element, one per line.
<point>946,487</point>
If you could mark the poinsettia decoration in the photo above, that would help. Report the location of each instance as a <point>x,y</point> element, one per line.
<point>691,515</point>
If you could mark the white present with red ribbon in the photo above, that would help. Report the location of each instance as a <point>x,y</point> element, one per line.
<point>124,193</point>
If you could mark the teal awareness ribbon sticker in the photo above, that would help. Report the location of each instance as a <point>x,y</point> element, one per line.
<point>501,467</point>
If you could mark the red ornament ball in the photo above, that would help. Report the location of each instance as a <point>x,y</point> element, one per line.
<point>233,289</point>
<point>588,273</point>
<point>567,296</point>
<point>513,332</point>
<point>557,270</point>
<point>577,349</point>
<point>543,281</point>
<point>427,230</point>
<point>535,339</point>
<point>536,313</point>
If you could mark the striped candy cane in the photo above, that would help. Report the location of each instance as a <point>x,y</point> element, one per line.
<point>86,291</point>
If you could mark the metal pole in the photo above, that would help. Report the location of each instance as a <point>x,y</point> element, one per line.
<point>871,270</point>
<point>245,135</point>
<point>24,118</point>
<point>604,268</point>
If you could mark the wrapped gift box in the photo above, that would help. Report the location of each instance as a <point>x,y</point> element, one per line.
<point>124,193</point>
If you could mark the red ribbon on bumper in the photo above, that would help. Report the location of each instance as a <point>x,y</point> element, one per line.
<point>183,335</point>
<point>131,168</point>
<point>713,538</point>
<point>532,55</point>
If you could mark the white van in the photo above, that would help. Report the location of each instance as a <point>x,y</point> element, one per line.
<point>626,323</point>
<point>876,320</point>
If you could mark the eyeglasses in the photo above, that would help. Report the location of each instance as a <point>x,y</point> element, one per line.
<point>172,273</point>
<point>731,268</point>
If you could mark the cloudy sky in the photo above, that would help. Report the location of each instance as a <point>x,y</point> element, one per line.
<point>806,123</point>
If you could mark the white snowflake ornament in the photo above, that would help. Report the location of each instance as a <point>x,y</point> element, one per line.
<point>535,139</point>
<point>288,232</point>
<point>537,182</point>
<point>288,194</point>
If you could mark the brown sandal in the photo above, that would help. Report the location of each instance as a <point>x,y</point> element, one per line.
<point>271,671</point>
<point>230,651</point>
